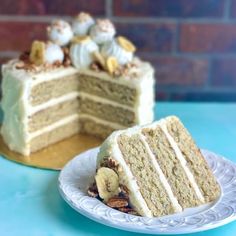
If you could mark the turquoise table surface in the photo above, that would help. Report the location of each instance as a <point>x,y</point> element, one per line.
<point>30,203</point>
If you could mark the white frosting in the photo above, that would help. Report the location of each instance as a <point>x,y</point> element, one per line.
<point>113,125</point>
<point>103,31</point>
<point>60,32</point>
<point>53,53</point>
<point>125,177</point>
<point>18,83</point>
<point>82,23</point>
<point>53,126</point>
<point>162,177</point>
<point>53,102</point>
<point>81,53</point>
<point>113,48</point>
<point>182,160</point>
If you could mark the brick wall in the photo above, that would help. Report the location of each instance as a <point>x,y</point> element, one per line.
<point>191,43</point>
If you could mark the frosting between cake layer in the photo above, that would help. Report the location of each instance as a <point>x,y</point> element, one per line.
<point>130,181</point>
<point>17,108</point>
<point>126,177</point>
<point>182,160</point>
<point>162,177</point>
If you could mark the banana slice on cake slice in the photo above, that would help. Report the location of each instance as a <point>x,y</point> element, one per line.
<point>107,182</point>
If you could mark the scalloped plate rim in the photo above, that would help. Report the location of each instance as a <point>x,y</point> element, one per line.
<point>126,227</point>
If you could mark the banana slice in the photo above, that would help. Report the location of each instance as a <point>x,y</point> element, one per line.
<point>126,44</point>
<point>111,64</point>
<point>37,52</point>
<point>80,39</point>
<point>99,58</point>
<point>107,183</point>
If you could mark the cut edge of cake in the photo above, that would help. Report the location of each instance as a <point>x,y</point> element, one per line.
<point>150,183</point>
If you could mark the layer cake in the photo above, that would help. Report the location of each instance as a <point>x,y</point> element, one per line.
<point>153,170</point>
<point>84,79</point>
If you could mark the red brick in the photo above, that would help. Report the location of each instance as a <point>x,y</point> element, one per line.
<point>224,72</point>
<point>149,37</point>
<point>208,38</point>
<point>169,8</point>
<point>17,36</point>
<point>51,7</point>
<point>173,71</point>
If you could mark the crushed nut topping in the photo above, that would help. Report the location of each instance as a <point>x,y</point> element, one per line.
<point>117,202</point>
<point>110,163</point>
<point>93,191</point>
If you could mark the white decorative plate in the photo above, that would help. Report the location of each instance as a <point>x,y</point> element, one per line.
<point>76,176</point>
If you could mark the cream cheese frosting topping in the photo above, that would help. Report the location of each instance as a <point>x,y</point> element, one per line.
<point>103,31</point>
<point>114,49</point>
<point>81,52</point>
<point>82,23</point>
<point>53,53</point>
<point>60,32</point>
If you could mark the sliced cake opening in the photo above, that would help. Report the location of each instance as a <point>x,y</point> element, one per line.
<point>108,89</point>
<point>47,90</point>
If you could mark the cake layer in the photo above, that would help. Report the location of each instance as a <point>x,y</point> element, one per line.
<point>138,160</point>
<point>47,90</point>
<point>106,111</point>
<point>171,167</point>
<point>108,89</point>
<point>195,161</point>
<point>52,114</point>
<point>98,129</point>
<point>55,135</point>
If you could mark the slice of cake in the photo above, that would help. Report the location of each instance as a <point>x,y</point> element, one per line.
<point>154,170</point>
<point>83,80</point>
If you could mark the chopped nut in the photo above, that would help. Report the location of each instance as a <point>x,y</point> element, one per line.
<point>20,65</point>
<point>66,51</point>
<point>110,163</point>
<point>117,202</point>
<point>124,191</point>
<point>127,210</point>
<point>57,64</point>
<point>94,66</point>
<point>67,62</point>
<point>93,191</point>
<point>99,59</point>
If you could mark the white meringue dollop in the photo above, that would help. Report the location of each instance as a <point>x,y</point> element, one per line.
<point>81,53</point>
<point>103,31</point>
<point>112,48</point>
<point>60,32</point>
<point>53,53</point>
<point>82,24</point>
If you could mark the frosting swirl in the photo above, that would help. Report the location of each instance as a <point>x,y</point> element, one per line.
<point>60,32</point>
<point>53,53</point>
<point>82,23</point>
<point>81,51</point>
<point>114,49</point>
<point>103,31</point>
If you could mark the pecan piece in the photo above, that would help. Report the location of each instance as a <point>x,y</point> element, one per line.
<point>93,191</point>
<point>117,202</point>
